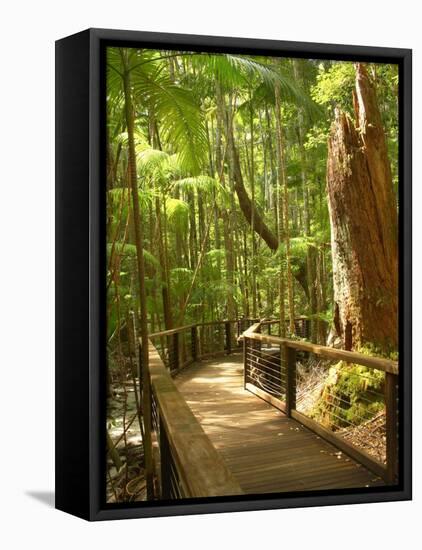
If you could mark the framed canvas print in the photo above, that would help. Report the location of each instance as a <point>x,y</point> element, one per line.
<point>233,274</point>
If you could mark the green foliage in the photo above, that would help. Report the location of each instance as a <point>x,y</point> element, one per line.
<point>119,195</point>
<point>216,255</point>
<point>177,212</point>
<point>183,103</point>
<point>150,160</point>
<point>175,107</point>
<point>181,279</point>
<point>335,85</point>
<point>376,351</point>
<point>127,252</point>
<point>299,246</point>
<point>352,394</point>
<point>316,138</point>
<point>204,184</point>
<point>326,316</point>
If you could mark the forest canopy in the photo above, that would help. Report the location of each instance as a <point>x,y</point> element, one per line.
<point>230,172</point>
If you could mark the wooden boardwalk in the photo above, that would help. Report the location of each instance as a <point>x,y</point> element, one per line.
<point>264,449</point>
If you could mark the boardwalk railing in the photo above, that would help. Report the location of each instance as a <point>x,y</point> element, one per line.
<point>272,327</point>
<point>186,464</point>
<point>354,407</point>
<point>182,346</point>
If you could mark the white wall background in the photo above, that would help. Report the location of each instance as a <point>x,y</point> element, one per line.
<point>29,29</point>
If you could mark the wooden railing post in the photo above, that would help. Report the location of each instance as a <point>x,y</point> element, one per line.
<point>245,361</point>
<point>145,396</point>
<point>258,343</point>
<point>140,371</point>
<point>228,338</point>
<point>176,350</point>
<point>307,329</point>
<point>165,463</point>
<point>289,355</point>
<point>391,428</point>
<point>194,342</point>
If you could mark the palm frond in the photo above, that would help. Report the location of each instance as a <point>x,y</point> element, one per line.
<point>148,160</point>
<point>198,183</point>
<point>178,114</point>
<point>128,250</point>
<point>177,212</point>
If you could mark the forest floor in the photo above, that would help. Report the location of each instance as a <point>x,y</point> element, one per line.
<point>126,484</point>
<point>369,436</point>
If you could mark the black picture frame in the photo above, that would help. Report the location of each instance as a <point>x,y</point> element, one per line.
<point>80,269</point>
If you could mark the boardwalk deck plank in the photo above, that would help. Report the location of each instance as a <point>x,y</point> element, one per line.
<point>265,450</point>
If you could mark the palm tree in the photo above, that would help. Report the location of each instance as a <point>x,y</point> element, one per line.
<point>139,241</point>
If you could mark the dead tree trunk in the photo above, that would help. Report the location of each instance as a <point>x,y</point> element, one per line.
<point>363,218</point>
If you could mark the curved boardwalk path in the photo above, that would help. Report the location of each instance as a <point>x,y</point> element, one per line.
<point>265,450</point>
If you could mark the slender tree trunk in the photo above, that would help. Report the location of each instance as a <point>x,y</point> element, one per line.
<point>321,298</point>
<point>228,243</point>
<point>284,207</point>
<point>165,291</point>
<point>252,180</point>
<point>246,205</point>
<point>245,264</point>
<point>139,238</point>
<point>273,190</point>
<point>193,240</point>
<point>195,273</point>
<point>311,253</point>
<point>221,116</point>
<point>264,162</point>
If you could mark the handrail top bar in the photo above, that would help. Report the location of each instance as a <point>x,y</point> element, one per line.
<point>176,330</point>
<point>250,330</point>
<point>378,363</point>
<point>202,470</point>
<point>297,318</point>
<point>171,331</point>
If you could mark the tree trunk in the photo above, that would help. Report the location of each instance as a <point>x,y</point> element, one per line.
<point>312,253</point>
<point>139,238</point>
<point>252,180</point>
<point>228,243</point>
<point>283,213</point>
<point>193,241</point>
<point>363,218</point>
<point>248,208</point>
<point>165,282</point>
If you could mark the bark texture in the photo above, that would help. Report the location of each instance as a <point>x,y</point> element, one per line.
<point>363,216</point>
